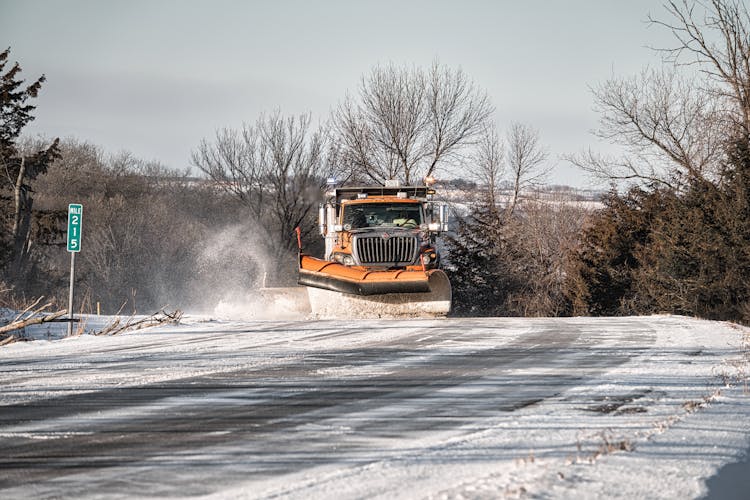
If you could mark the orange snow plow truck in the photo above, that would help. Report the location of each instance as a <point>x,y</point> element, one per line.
<point>381,257</point>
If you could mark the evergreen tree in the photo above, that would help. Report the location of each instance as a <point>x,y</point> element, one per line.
<point>698,260</point>
<point>478,264</point>
<point>662,251</point>
<point>18,169</point>
<point>601,282</point>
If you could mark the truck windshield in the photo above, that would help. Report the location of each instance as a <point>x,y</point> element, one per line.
<point>362,215</point>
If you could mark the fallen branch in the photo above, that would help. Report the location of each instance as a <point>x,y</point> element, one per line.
<point>32,306</point>
<point>32,320</point>
<point>9,340</point>
<point>159,318</point>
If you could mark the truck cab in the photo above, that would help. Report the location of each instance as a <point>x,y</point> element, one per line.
<point>390,227</point>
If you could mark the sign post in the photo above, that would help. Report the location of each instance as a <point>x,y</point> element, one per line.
<point>75,217</point>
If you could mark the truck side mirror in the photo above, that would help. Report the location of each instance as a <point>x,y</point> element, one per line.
<point>443,217</point>
<point>322,219</point>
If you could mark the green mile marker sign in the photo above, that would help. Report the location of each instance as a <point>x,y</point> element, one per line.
<point>75,215</point>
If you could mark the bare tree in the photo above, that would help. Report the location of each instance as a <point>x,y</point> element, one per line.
<point>674,123</point>
<point>274,168</point>
<point>407,123</point>
<point>667,127</point>
<point>716,38</point>
<point>525,159</point>
<point>488,163</point>
<point>541,241</point>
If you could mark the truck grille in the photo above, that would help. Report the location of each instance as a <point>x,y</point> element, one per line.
<point>391,250</point>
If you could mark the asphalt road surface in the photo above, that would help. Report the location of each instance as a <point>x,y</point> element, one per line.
<point>306,409</point>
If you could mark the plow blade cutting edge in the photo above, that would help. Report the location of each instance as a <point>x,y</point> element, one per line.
<point>336,291</point>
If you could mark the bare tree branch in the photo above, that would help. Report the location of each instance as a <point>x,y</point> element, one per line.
<point>33,319</point>
<point>715,36</point>
<point>407,123</point>
<point>525,159</point>
<point>675,123</point>
<point>488,164</point>
<point>162,317</point>
<point>275,168</point>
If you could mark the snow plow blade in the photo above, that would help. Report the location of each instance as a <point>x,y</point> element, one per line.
<point>336,291</point>
<point>357,281</point>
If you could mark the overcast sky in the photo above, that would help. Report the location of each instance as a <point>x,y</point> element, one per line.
<point>154,77</point>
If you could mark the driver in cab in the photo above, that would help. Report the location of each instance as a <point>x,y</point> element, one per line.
<point>403,220</point>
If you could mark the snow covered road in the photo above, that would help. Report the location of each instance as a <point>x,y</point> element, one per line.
<point>451,408</point>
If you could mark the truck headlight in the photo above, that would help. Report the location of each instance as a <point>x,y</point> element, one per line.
<point>344,258</point>
<point>429,257</point>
